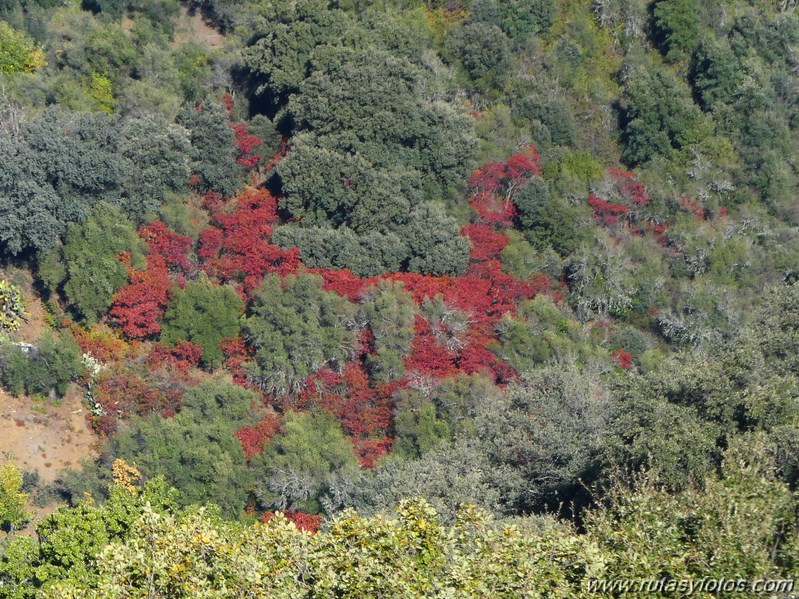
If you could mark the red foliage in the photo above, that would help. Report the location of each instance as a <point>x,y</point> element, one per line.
<point>427,355</point>
<point>254,437</point>
<point>104,426</point>
<point>213,202</point>
<point>302,520</point>
<point>123,394</point>
<point>102,344</point>
<point>607,213</point>
<point>182,357</point>
<point>187,352</point>
<point>343,282</point>
<point>369,451</point>
<point>228,101</point>
<point>236,354</point>
<point>631,190</point>
<point>486,243</point>
<point>246,143</point>
<point>139,306</point>
<point>364,412</point>
<point>366,342</point>
<point>236,246</point>
<point>492,209</point>
<point>504,178</point>
<point>172,247</point>
<point>694,207</point>
<point>623,358</point>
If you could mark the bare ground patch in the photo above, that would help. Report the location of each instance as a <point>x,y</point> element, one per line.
<point>45,438</point>
<point>191,27</point>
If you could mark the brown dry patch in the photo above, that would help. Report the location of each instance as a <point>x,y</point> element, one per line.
<point>50,441</point>
<point>191,27</point>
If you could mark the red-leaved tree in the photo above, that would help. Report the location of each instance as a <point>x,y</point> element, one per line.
<point>139,306</point>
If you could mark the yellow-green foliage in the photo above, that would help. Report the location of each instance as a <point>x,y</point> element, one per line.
<point>101,90</point>
<point>411,555</point>
<point>12,310</point>
<point>18,52</point>
<point>12,500</point>
<point>739,524</point>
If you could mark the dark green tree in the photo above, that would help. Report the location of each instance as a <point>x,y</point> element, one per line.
<point>659,116</point>
<point>279,57</point>
<point>88,267</point>
<point>715,72</point>
<point>213,150</point>
<point>48,367</point>
<point>58,168</point>
<point>547,427</point>
<point>484,53</point>
<point>552,112</point>
<point>435,244</point>
<point>158,154</point>
<point>425,418</point>
<point>328,186</point>
<point>677,26</point>
<point>388,310</point>
<point>324,247</point>
<point>546,220</point>
<point>449,476</point>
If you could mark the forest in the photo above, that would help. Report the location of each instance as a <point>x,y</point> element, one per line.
<point>399,298</point>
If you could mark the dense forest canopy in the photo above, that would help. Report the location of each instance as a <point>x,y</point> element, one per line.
<point>404,298</point>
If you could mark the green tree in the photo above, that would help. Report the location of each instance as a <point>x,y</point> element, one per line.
<point>296,328</point>
<point>12,308</point>
<point>659,116</point>
<point>204,313</point>
<point>449,476</point>
<point>296,467</point>
<point>70,540</point>
<point>18,53</point>
<point>325,247</point>
<point>90,270</point>
<point>13,502</point>
<point>388,122</point>
<point>196,451</point>
<point>677,26</point>
<point>740,524</point>
<point>518,19</point>
<point>548,428</point>
<point>328,186</point>
<point>388,310</point>
<point>552,112</point>
<point>484,53</point>
<point>425,418</point>
<point>715,72</point>
<point>434,240</point>
<point>58,168</point>
<point>48,367</point>
<point>213,148</point>
<point>280,55</point>
<point>547,220</point>
<point>158,154</point>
